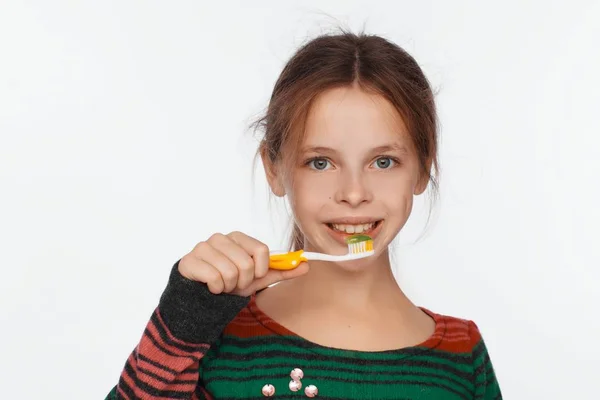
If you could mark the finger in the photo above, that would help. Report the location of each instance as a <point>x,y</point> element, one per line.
<point>201,271</point>
<point>227,269</point>
<point>240,259</point>
<point>274,276</point>
<point>256,249</point>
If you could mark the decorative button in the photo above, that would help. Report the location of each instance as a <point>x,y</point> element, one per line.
<point>311,391</point>
<point>295,386</point>
<point>297,374</point>
<point>268,390</point>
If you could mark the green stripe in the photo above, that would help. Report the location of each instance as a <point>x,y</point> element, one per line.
<point>229,355</point>
<point>287,344</point>
<point>422,363</point>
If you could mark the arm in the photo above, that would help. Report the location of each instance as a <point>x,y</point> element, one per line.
<point>165,363</point>
<point>486,384</point>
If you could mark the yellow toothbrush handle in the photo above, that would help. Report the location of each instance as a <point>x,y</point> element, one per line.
<point>286,261</point>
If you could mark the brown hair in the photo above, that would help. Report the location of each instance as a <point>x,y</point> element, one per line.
<point>369,61</point>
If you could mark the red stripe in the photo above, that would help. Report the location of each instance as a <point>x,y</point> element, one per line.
<point>158,356</point>
<point>155,383</point>
<point>162,386</point>
<point>247,332</point>
<point>156,370</point>
<point>166,362</point>
<point>129,380</point>
<point>122,393</point>
<point>175,350</point>
<point>166,374</point>
<point>163,373</point>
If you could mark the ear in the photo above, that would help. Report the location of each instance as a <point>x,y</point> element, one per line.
<point>273,176</point>
<point>421,185</point>
<point>424,177</point>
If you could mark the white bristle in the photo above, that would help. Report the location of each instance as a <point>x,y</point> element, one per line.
<point>358,247</point>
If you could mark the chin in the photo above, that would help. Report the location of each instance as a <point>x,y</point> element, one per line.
<point>360,265</point>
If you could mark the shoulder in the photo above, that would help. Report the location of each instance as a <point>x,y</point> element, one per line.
<point>464,340</point>
<point>456,334</point>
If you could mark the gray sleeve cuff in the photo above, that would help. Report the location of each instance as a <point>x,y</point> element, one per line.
<point>192,313</point>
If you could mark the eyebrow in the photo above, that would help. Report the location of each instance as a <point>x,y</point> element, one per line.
<point>379,149</point>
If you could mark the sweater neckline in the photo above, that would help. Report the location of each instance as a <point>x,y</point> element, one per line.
<point>431,342</point>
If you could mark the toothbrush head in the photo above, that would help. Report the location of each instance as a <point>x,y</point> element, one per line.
<point>358,244</point>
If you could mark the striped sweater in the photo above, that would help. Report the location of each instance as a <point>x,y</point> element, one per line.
<point>203,346</point>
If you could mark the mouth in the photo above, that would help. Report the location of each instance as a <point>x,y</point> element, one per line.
<point>340,230</point>
<point>365,228</point>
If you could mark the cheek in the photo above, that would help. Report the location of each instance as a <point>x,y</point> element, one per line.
<point>396,192</point>
<point>308,196</point>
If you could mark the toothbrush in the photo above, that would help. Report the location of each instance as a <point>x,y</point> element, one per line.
<point>359,246</point>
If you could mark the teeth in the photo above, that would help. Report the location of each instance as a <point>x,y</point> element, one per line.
<point>360,228</point>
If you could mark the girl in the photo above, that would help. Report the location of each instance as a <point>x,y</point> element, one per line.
<point>350,138</point>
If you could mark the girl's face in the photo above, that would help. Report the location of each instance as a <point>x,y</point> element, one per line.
<point>357,172</point>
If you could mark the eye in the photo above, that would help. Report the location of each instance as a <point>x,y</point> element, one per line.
<point>320,164</point>
<point>384,163</point>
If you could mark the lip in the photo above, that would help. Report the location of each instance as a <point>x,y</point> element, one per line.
<point>341,236</point>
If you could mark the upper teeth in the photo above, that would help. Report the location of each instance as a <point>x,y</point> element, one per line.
<point>353,228</point>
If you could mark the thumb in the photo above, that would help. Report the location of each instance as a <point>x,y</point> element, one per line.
<point>274,276</point>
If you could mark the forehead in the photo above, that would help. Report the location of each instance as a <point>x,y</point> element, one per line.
<point>350,114</point>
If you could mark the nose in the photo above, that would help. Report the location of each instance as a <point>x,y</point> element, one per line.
<point>352,190</point>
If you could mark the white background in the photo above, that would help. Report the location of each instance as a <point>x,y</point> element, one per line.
<point>124,142</point>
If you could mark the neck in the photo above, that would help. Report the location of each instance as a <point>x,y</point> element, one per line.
<point>355,285</point>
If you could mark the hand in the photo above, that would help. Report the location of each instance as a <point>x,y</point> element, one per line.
<point>234,263</point>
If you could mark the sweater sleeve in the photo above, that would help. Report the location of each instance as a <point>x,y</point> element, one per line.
<point>165,363</point>
<point>486,384</point>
